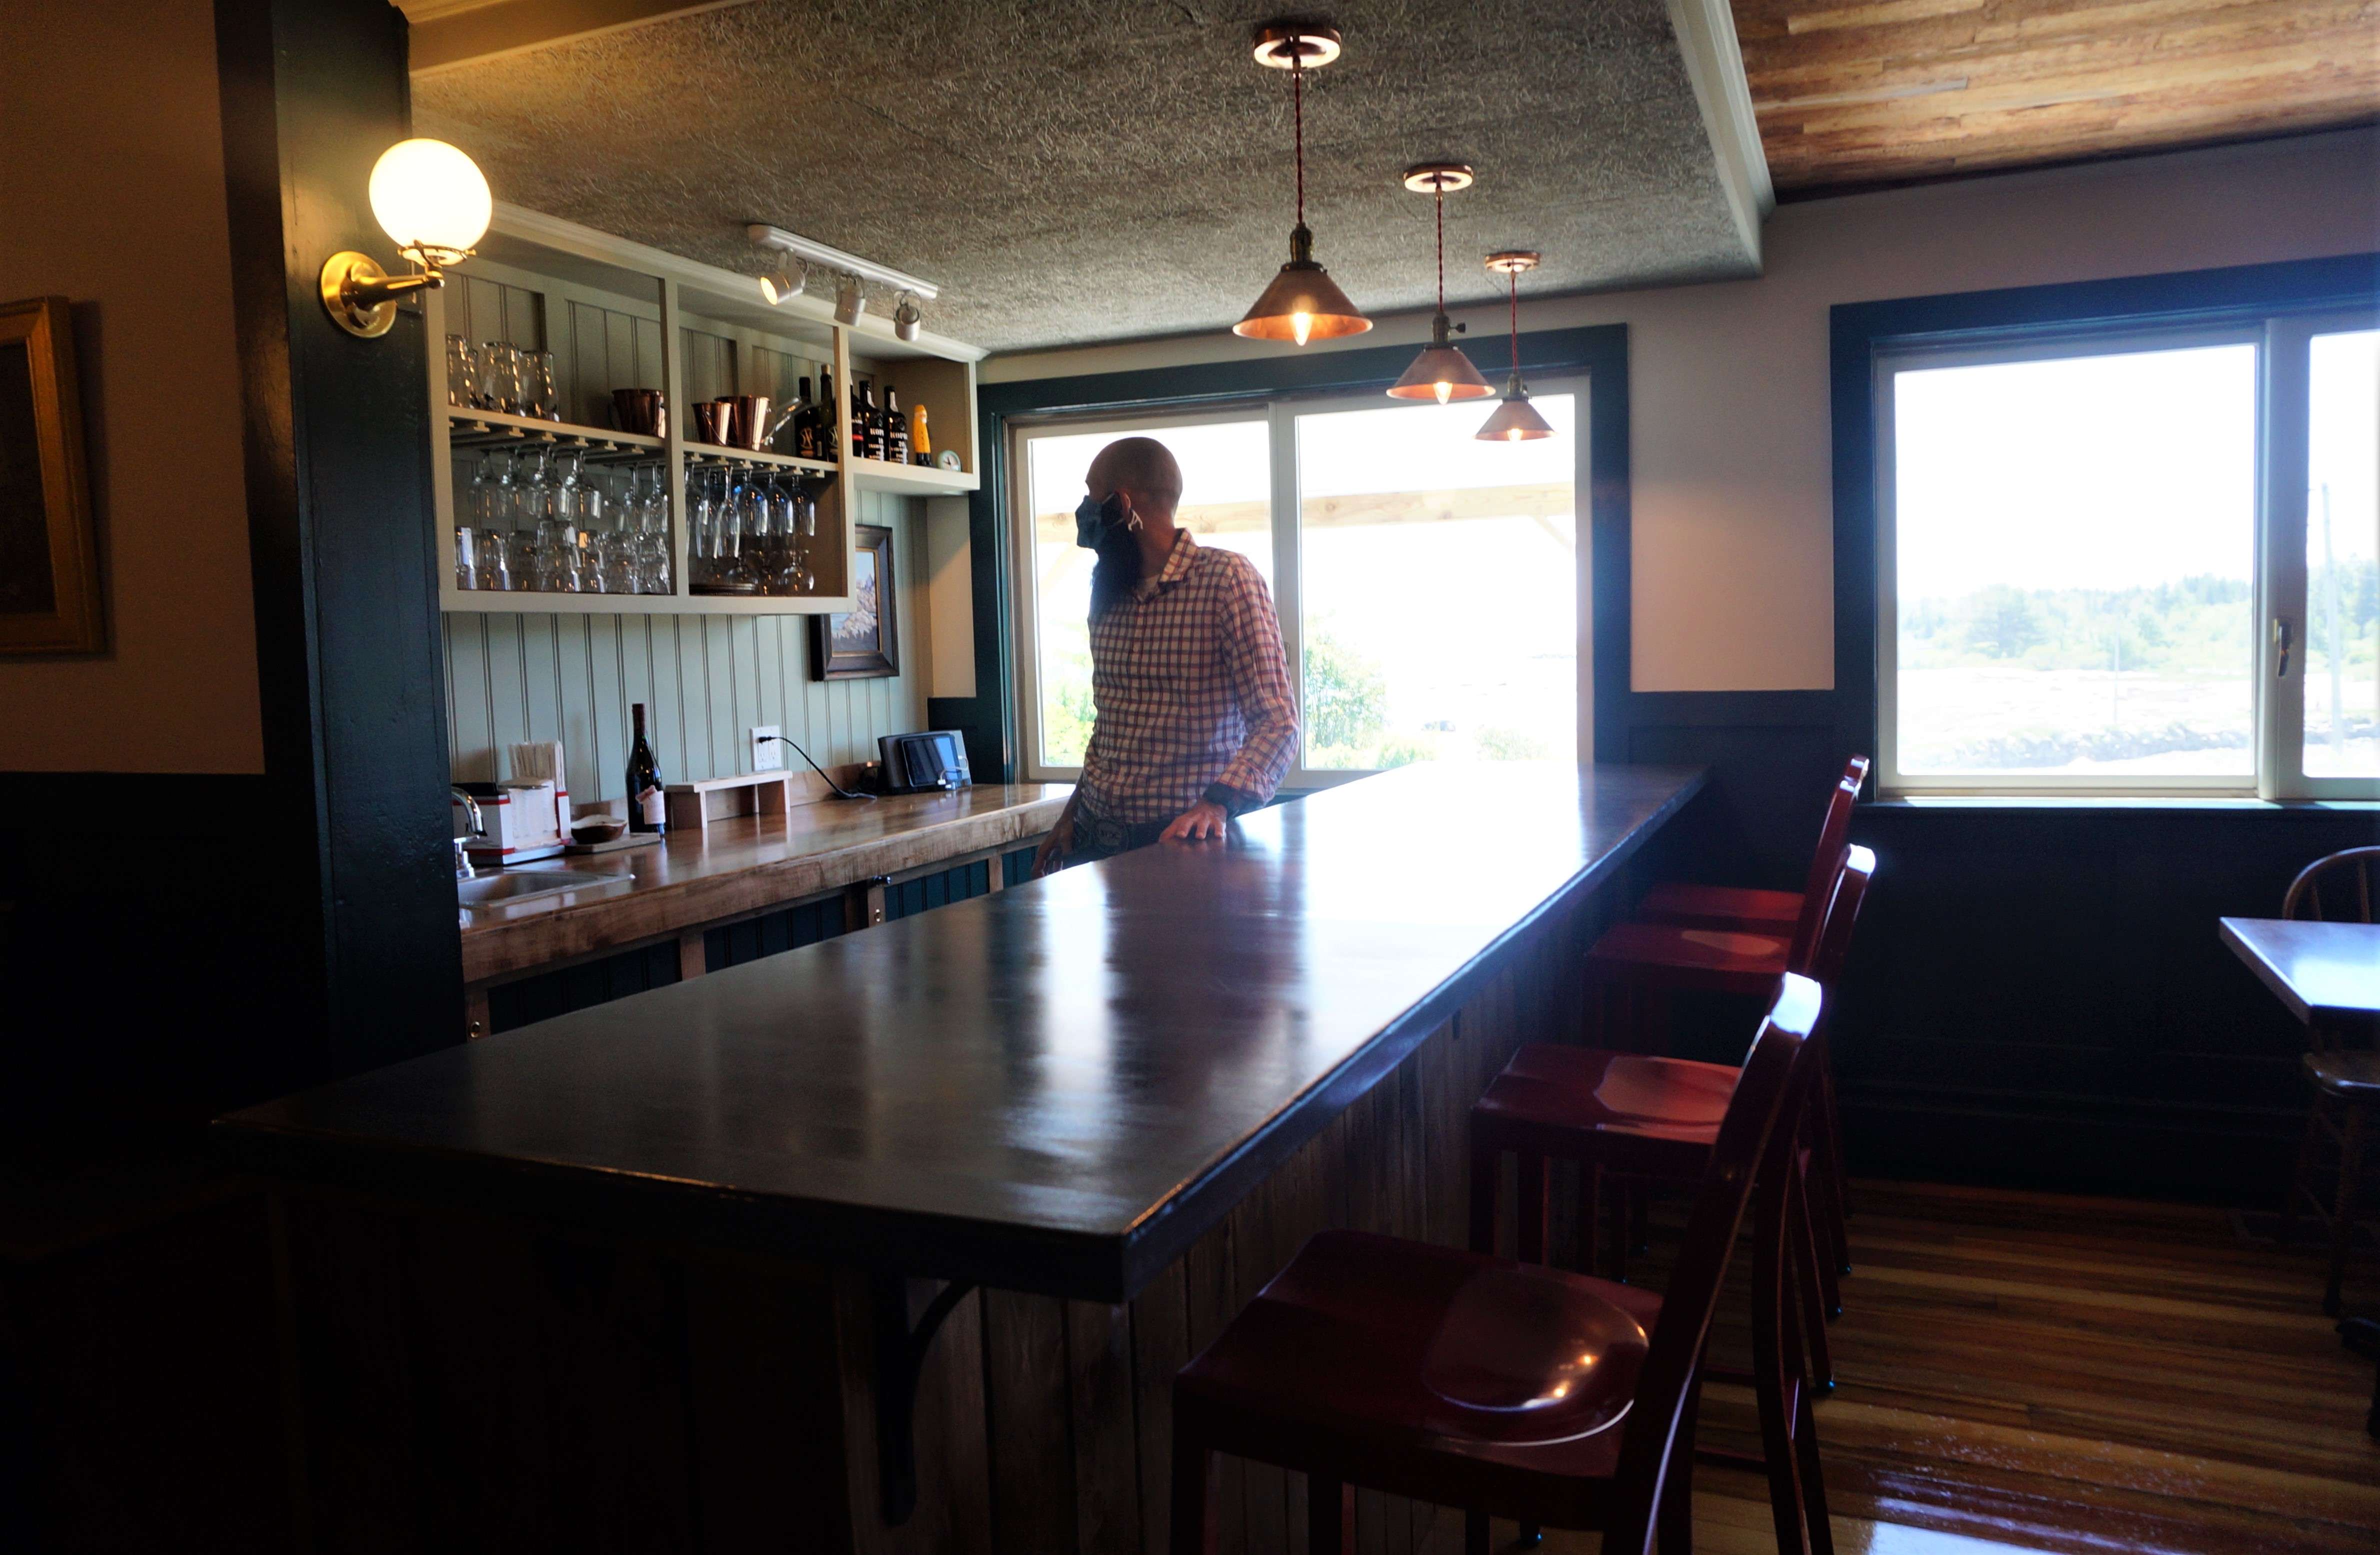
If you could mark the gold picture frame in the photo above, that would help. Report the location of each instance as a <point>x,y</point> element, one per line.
<point>50,595</point>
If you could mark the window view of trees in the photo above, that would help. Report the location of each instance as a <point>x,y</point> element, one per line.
<point>2074,544</point>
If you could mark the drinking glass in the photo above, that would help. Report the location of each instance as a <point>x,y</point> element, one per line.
<point>538,395</point>
<point>490,494</point>
<point>466,557</point>
<point>653,537</point>
<point>462,372</point>
<point>500,387</point>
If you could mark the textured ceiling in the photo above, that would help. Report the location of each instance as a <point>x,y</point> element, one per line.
<point>1071,172</point>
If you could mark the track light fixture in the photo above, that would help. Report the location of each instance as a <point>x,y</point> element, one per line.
<point>849,304</point>
<point>907,318</point>
<point>784,283</point>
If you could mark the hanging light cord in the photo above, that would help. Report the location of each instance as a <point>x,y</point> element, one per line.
<point>1514,276</point>
<point>1297,100</point>
<point>1437,186</point>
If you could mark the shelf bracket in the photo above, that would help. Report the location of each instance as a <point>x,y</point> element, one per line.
<point>900,1358</point>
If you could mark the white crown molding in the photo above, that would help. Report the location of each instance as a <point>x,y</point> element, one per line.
<point>1706,33</point>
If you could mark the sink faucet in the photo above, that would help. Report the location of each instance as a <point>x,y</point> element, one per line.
<point>463,871</point>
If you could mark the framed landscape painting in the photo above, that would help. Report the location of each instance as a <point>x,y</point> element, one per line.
<point>49,556</point>
<point>864,641</point>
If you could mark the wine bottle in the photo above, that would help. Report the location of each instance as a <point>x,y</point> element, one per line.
<point>875,426</point>
<point>806,425</point>
<point>647,809</point>
<point>829,414</point>
<point>897,428</point>
<point>859,421</point>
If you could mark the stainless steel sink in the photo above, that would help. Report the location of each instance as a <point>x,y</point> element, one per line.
<point>502,887</point>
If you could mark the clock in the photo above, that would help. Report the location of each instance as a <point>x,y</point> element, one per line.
<point>948,459</point>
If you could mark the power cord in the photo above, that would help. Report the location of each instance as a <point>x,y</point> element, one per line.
<point>837,789</point>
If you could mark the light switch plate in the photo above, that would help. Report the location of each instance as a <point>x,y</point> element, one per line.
<point>768,756</point>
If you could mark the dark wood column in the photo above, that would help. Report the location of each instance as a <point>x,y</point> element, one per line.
<point>339,497</point>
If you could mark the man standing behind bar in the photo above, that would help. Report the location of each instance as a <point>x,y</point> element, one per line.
<point>1193,722</point>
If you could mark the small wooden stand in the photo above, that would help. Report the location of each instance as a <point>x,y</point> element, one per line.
<point>694,806</point>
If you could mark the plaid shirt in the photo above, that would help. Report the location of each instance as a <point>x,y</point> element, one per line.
<point>1191,688</point>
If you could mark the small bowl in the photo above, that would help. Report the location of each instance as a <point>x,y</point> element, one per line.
<point>599,829</point>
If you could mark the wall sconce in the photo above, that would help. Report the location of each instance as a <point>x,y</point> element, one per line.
<point>848,302</point>
<point>434,202</point>
<point>907,318</point>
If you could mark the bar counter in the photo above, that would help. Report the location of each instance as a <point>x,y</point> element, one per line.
<point>1132,1087</point>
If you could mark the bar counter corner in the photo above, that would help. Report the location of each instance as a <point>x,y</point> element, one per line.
<point>896,1242</point>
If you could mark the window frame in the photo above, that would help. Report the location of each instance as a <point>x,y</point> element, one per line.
<point>2277,579</point>
<point>1280,412</point>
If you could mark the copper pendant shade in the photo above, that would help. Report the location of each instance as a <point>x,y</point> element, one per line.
<point>1441,373</point>
<point>1515,420</point>
<point>1303,303</point>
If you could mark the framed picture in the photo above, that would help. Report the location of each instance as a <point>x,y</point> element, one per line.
<point>864,642</point>
<point>49,556</point>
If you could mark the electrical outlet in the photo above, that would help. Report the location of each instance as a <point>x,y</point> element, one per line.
<point>768,756</point>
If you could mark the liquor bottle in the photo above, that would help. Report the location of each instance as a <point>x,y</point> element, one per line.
<point>806,418</point>
<point>897,428</point>
<point>919,442</point>
<point>648,808</point>
<point>875,426</point>
<point>830,418</point>
<point>858,395</point>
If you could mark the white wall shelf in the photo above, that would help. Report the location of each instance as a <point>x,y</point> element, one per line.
<point>618,314</point>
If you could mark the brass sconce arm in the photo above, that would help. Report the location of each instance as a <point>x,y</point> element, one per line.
<point>361,297</point>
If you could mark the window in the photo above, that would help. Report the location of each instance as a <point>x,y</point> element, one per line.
<point>1430,587</point>
<point>2134,564</point>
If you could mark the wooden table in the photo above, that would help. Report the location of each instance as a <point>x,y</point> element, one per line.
<point>2328,974</point>
<point>1103,1106</point>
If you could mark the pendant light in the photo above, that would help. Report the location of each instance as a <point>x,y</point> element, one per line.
<point>1515,420</point>
<point>1303,303</point>
<point>1441,373</point>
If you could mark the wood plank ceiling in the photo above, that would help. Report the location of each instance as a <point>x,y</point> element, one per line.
<point>1907,90</point>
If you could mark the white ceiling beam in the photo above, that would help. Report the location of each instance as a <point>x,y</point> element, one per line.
<point>1705,32</point>
<point>446,34</point>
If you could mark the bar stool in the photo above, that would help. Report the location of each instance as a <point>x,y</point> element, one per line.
<point>1646,1115</point>
<point>1635,968</point>
<point>1504,1388</point>
<point>1749,911</point>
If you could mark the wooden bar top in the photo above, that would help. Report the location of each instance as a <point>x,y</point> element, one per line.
<point>745,864</point>
<point>1053,1088</point>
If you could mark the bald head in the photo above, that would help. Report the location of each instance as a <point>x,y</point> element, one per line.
<point>1141,466</point>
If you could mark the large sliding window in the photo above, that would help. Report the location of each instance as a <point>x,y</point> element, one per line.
<point>1431,588</point>
<point>2138,563</point>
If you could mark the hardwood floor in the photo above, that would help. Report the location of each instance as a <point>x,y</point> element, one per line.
<point>2034,1372</point>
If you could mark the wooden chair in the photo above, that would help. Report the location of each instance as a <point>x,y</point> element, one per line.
<point>1748,911</point>
<point>1646,1115</point>
<point>2337,888</point>
<point>1633,971</point>
<point>1504,1388</point>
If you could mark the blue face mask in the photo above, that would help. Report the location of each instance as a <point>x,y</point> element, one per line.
<point>1095,519</point>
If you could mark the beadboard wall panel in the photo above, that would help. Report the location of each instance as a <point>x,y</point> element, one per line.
<point>706,679</point>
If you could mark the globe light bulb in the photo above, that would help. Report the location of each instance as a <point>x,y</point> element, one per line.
<point>431,199</point>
